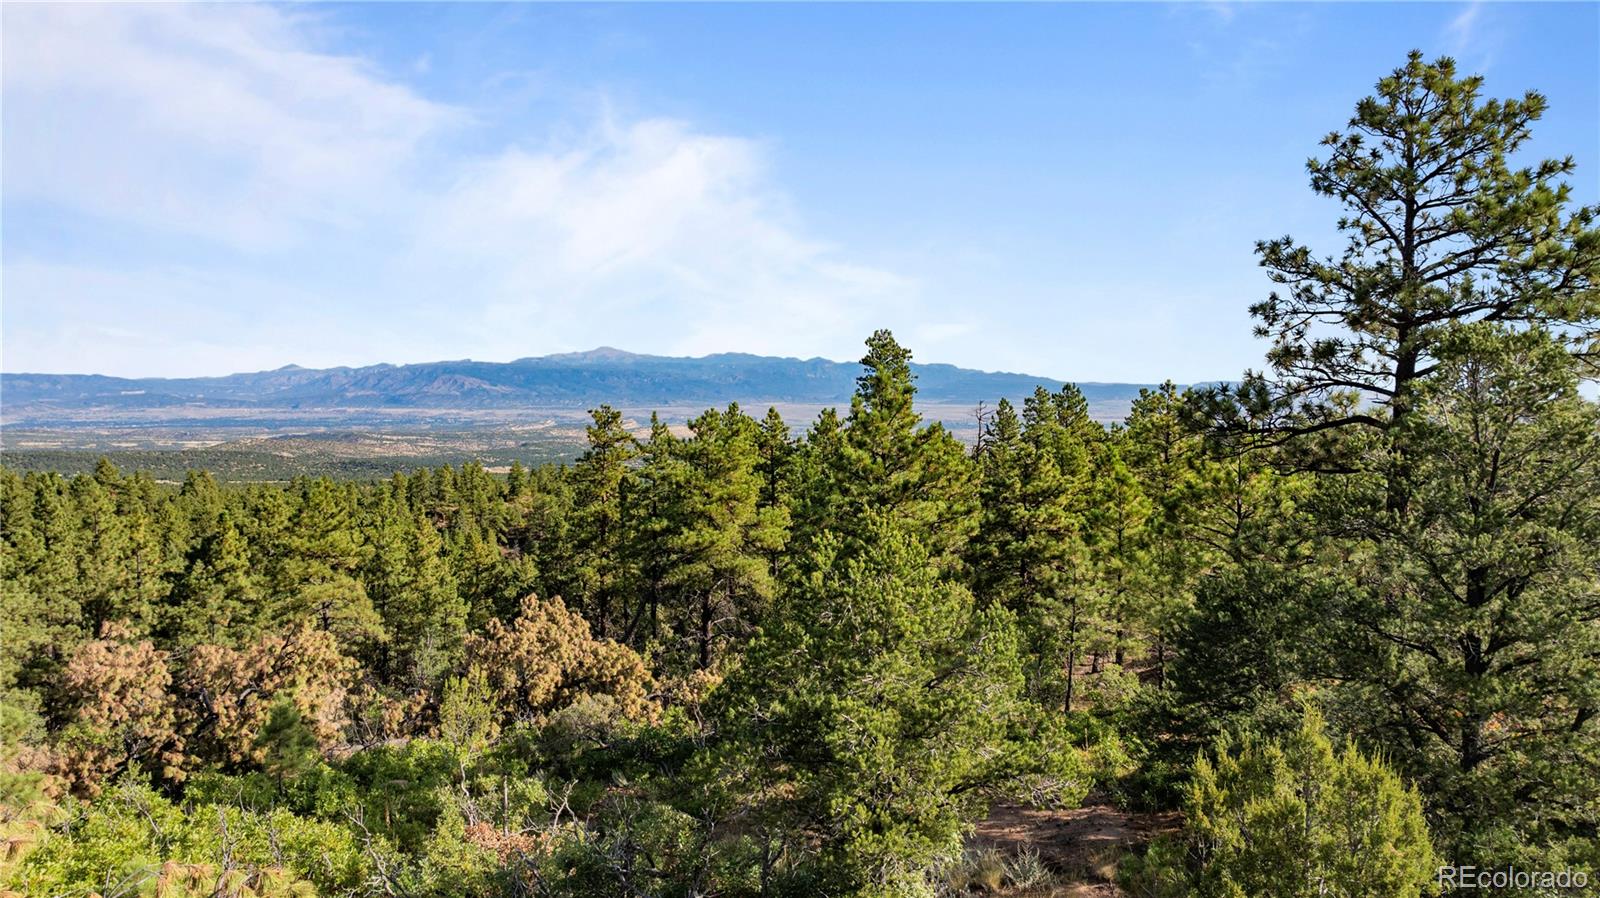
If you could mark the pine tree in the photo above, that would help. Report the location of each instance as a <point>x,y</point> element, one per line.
<point>1241,652</point>
<point>489,579</point>
<point>316,578</point>
<point>1441,230</point>
<point>1467,628</point>
<point>411,588</point>
<point>516,480</point>
<point>477,499</point>
<point>722,549</point>
<point>38,615</point>
<point>1029,554</point>
<point>218,598</point>
<point>1390,373</point>
<point>871,715</point>
<point>598,477</point>
<point>540,534</point>
<point>776,450</point>
<point>265,521</point>
<point>776,467</point>
<point>817,466</point>
<point>654,506</point>
<point>1163,451</point>
<point>1001,571</point>
<point>201,504</point>
<point>287,746</point>
<point>1117,528</point>
<point>888,462</point>
<point>105,584</point>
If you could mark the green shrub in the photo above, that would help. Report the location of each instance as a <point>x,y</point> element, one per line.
<point>134,837</point>
<point>1292,818</point>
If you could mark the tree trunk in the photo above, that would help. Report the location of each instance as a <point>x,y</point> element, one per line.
<point>1072,654</point>
<point>705,629</point>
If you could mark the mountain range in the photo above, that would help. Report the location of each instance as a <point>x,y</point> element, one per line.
<point>575,380</point>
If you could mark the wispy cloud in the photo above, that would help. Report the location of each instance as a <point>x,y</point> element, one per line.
<point>1463,27</point>
<point>1229,55</point>
<point>215,121</point>
<point>340,193</point>
<point>1467,37</point>
<point>655,221</point>
<point>1223,10</point>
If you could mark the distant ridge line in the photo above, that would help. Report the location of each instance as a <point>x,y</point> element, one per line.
<point>575,379</point>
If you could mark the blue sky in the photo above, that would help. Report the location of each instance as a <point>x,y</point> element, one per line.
<point>1066,190</point>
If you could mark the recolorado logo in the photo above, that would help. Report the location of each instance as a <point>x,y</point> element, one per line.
<point>1470,877</point>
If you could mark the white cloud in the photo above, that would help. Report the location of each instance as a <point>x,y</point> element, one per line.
<point>215,121</point>
<point>653,221</point>
<point>1462,28</point>
<point>326,191</point>
<point>1467,38</point>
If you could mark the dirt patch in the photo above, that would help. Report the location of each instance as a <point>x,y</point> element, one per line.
<point>1083,845</point>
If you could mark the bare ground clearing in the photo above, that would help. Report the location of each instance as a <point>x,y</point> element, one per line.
<point>1083,846</point>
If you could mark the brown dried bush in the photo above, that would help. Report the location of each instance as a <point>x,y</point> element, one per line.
<point>122,712</point>
<point>547,659</point>
<point>229,692</point>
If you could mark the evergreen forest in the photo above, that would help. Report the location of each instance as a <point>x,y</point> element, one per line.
<point>1338,621</point>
